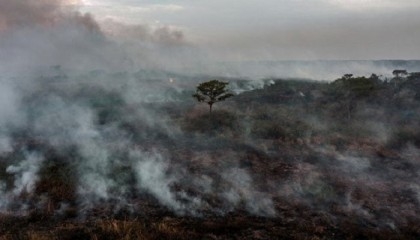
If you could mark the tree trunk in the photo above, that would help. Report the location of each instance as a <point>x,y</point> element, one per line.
<point>211,105</point>
<point>348,111</point>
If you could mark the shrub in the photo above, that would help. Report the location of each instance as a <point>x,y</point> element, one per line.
<point>214,123</point>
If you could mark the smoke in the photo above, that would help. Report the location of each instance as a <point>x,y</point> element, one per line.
<point>26,13</point>
<point>29,13</point>
<point>26,173</point>
<point>9,115</point>
<point>314,70</point>
<point>143,33</point>
<point>106,102</point>
<point>153,176</point>
<point>105,134</point>
<point>39,34</point>
<point>360,179</point>
<point>60,35</point>
<point>242,190</point>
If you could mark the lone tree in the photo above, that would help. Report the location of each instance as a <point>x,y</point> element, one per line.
<point>212,92</point>
<point>398,76</point>
<point>398,73</point>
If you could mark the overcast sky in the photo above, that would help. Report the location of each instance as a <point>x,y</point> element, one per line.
<point>281,29</point>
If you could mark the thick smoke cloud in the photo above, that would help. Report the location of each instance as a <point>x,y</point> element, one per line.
<point>61,77</point>
<point>28,13</point>
<point>39,34</point>
<point>55,33</point>
<point>143,33</point>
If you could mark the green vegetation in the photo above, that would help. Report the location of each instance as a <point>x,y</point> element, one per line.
<point>212,92</point>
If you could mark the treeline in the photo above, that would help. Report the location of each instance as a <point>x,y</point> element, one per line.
<point>347,109</point>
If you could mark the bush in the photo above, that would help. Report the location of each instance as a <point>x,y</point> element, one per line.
<point>278,130</point>
<point>214,123</point>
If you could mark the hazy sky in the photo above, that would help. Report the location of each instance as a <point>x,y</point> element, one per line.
<point>277,29</point>
<point>282,29</point>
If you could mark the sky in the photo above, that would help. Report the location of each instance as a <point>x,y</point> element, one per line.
<point>279,29</point>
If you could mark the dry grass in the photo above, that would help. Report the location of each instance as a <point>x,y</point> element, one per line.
<point>308,225</point>
<point>166,228</point>
<point>119,229</point>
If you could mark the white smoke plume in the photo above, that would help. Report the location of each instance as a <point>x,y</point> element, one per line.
<point>26,173</point>
<point>242,190</point>
<point>86,90</point>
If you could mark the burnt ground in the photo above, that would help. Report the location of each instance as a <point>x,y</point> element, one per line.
<point>326,214</point>
<point>296,222</point>
<point>295,160</point>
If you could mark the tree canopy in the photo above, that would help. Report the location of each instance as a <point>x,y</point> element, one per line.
<point>399,73</point>
<point>212,91</point>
